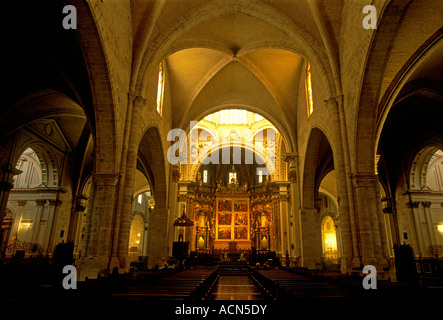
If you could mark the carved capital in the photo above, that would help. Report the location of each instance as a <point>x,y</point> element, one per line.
<point>412,204</point>
<point>426,204</point>
<point>21,203</point>
<point>55,202</point>
<point>139,102</point>
<point>333,102</point>
<point>40,202</point>
<point>106,179</point>
<point>364,180</point>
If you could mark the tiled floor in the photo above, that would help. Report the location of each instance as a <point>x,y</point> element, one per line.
<point>235,288</point>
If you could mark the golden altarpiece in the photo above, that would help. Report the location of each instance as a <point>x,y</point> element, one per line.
<point>235,207</point>
<point>232,219</point>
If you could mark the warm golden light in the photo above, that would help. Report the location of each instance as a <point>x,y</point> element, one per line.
<point>440,228</point>
<point>310,100</point>
<point>160,88</point>
<point>329,239</point>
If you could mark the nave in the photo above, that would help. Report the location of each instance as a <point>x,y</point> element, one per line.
<point>236,282</point>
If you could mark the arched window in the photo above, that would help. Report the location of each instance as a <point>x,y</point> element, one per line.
<point>309,99</point>
<point>160,87</point>
<point>205,176</point>
<point>260,176</point>
<point>136,237</point>
<point>32,171</point>
<point>329,239</point>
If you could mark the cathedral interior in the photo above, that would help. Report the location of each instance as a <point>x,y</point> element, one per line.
<point>221,149</point>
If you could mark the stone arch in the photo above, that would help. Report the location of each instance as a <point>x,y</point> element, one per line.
<point>49,164</point>
<point>196,168</point>
<point>318,163</point>
<point>280,127</point>
<point>152,155</point>
<point>374,104</point>
<point>104,127</point>
<point>419,167</point>
<point>154,158</point>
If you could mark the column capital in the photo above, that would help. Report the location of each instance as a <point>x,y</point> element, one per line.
<point>21,203</point>
<point>387,205</point>
<point>412,204</point>
<point>426,204</point>
<point>292,160</point>
<point>40,202</point>
<point>106,179</point>
<point>55,202</point>
<point>333,102</point>
<point>138,101</point>
<point>364,180</point>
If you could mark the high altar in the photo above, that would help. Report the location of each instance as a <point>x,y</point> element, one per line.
<point>231,218</point>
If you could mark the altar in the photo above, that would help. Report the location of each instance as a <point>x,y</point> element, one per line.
<point>231,221</point>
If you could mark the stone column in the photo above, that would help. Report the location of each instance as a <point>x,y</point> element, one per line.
<point>430,222</point>
<point>174,205</point>
<point>40,203</point>
<point>286,230</point>
<point>75,224</point>
<point>350,261</point>
<point>311,250</point>
<point>50,237</point>
<point>295,213</point>
<point>100,218</point>
<point>277,232</point>
<point>122,222</point>
<point>76,214</point>
<point>145,239</point>
<point>391,229</point>
<point>369,219</point>
<point>417,234</point>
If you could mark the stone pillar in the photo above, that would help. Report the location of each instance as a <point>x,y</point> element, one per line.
<point>286,233</point>
<point>145,239</point>
<point>350,260</point>
<point>40,203</point>
<point>122,225</point>
<point>430,224</point>
<point>75,224</point>
<point>277,232</point>
<point>185,192</point>
<point>391,229</point>
<point>369,219</point>
<point>50,236</point>
<point>174,205</point>
<point>100,219</point>
<point>295,213</point>
<point>417,234</point>
<point>311,250</point>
